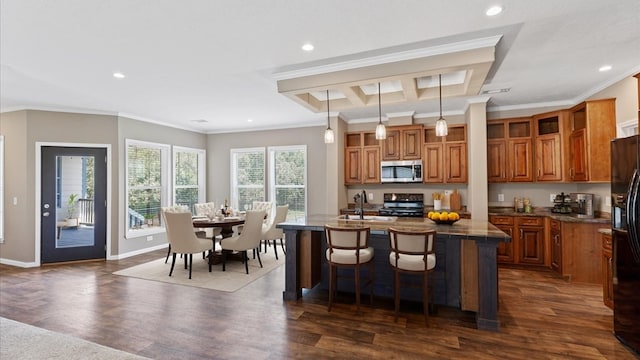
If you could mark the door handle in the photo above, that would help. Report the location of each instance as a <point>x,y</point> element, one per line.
<point>45,214</point>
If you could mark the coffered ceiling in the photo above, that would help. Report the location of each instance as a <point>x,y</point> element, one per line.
<point>221,66</point>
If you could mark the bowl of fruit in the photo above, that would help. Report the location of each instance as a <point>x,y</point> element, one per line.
<point>443,217</point>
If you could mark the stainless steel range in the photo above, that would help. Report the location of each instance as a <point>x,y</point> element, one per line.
<point>398,204</point>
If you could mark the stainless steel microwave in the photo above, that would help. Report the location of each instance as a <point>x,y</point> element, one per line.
<point>401,171</point>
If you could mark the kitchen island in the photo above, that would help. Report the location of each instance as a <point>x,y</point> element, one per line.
<point>305,242</point>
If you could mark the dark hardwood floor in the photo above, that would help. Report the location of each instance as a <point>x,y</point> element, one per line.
<point>542,316</point>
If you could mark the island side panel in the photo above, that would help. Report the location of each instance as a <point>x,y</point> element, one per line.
<point>487,315</point>
<point>292,290</point>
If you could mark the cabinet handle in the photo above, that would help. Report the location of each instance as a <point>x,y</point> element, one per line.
<point>571,173</point>
<point>538,172</point>
<point>521,234</point>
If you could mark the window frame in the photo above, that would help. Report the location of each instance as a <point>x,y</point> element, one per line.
<point>165,171</point>
<point>201,186</point>
<point>272,174</point>
<point>233,180</point>
<point>1,189</point>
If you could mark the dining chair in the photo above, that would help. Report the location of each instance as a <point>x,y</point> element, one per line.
<point>270,232</point>
<point>348,247</point>
<point>412,252</point>
<point>249,239</point>
<point>163,210</point>
<point>207,209</point>
<point>182,238</point>
<point>259,205</point>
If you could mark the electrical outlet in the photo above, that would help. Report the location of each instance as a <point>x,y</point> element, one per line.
<point>500,197</point>
<point>370,196</point>
<point>552,197</point>
<point>607,201</point>
<point>149,238</point>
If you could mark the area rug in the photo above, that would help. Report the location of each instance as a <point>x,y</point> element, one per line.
<point>233,279</point>
<point>25,342</point>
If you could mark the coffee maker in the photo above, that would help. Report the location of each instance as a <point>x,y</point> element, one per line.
<point>582,204</point>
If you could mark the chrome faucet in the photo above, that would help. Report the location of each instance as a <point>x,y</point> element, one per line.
<point>363,199</point>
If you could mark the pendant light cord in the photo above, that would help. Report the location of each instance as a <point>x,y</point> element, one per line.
<point>379,106</point>
<point>328,121</point>
<point>440,87</point>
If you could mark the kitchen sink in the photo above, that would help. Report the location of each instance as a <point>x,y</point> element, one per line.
<point>368,218</point>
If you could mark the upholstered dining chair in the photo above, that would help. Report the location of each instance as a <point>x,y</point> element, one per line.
<point>207,209</point>
<point>348,247</point>
<point>249,239</point>
<point>165,209</point>
<point>182,238</point>
<point>412,252</point>
<point>260,205</point>
<point>270,232</point>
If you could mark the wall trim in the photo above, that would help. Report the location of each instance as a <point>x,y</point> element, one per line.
<point>21,264</point>
<point>136,252</point>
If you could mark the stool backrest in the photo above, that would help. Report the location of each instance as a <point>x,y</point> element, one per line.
<point>412,242</point>
<point>347,238</point>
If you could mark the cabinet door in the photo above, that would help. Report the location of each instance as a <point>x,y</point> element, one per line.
<point>556,251</point>
<point>520,160</point>
<point>411,144</point>
<point>496,161</point>
<point>371,165</point>
<point>578,159</point>
<point>531,244</point>
<point>548,158</point>
<point>505,250</point>
<point>352,165</point>
<point>607,271</point>
<point>391,145</point>
<point>433,161</point>
<point>455,162</point>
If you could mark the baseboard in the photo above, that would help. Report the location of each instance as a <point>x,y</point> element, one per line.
<point>18,263</point>
<point>137,252</point>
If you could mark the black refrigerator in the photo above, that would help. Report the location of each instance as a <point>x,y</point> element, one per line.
<point>625,226</point>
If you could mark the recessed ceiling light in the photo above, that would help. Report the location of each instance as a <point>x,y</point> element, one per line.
<point>496,91</point>
<point>249,120</point>
<point>605,68</point>
<point>307,47</point>
<point>118,75</point>
<point>494,10</point>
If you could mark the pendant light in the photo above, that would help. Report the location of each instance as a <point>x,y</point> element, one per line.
<point>381,131</point>
<point>328,134</point>
<point>441,124</point>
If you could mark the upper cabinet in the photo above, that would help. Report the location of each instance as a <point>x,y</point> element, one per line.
<point>402,143</point>
<point>509,150</point>
<point>549,132</point>
<point>361,158</point>
<point>445,159</point>
<point>593,126</point>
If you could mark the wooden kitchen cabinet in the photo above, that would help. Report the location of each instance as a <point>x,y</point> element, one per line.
<point>402,143</point>
<point>445,158</point>
<point>556,245</point>
<point>510,150</point>
<point>549,131</point>
<point>527,246</point>
<point>530,240</point>
<point>593,126</point>
<point>505,250</point>
<point>581,252</point>
<point>607,271</point>
<point>361,158</point>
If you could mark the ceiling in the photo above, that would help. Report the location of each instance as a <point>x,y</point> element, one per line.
<point>212,66</point>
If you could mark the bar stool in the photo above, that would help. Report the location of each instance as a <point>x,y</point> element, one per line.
<point>412,252</point>
<point>348,247</point>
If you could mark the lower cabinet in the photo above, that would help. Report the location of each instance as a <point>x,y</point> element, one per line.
<point>607,271</point>
<point>556,245</point>
<point>527,239</point>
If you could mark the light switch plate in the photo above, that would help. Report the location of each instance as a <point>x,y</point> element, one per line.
<point>370,196</point>
<point>500,197</point>
<point>552,197</point>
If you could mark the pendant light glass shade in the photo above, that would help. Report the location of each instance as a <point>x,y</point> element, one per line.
<point>381,130</point>
<point>441,124</point>
<point>328,133</point>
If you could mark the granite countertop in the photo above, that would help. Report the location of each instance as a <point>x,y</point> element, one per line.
<point>473,229</point>
<point>546,212</point>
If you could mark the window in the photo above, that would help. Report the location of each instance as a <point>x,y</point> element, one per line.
<point>288,179</point>
<point>1,189</point>
<point>147,186</point>
<point>188,176</point>
<point>247,177</point>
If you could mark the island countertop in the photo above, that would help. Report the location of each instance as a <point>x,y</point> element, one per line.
<point>469,228</point>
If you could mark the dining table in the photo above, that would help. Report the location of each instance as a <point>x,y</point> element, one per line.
<point>225,224</point>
